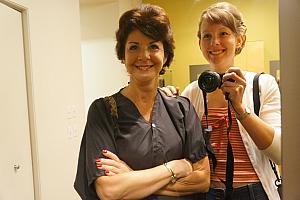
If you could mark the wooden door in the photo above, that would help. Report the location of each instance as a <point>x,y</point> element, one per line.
<point>16,176</point>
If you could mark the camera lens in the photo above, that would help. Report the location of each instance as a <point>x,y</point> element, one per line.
<point>209,81</point>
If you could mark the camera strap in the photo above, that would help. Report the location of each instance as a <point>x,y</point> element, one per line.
<point>230,158</point>
<point>205,107</point>
<point>207,134</point>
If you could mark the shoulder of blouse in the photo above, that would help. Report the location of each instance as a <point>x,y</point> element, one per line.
<point>98,106</point>
<point>176,105</point>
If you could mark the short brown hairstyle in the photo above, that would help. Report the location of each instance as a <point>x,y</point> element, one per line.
<point>152,21</point>
<point>226,14</point>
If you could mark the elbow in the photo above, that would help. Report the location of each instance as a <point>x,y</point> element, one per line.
<point>106,190</point>
<point>205,185</point>
<point>206,175</point>
<point>204,181</point>
<point>274,150</point>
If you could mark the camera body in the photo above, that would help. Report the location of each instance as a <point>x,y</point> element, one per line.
<point>209,81</point>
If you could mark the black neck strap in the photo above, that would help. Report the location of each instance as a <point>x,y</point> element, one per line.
<point>205,107</point>
<point>230,158</point>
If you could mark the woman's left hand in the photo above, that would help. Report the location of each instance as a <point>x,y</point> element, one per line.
<point>111,164</point>
<point>234,84</point>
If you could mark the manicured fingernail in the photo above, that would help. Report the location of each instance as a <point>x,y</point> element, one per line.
<point>99,166</point>
<point>106,172</point>
<point>104,151</point>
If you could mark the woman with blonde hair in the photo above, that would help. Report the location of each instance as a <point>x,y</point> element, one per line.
<point>253,140</point>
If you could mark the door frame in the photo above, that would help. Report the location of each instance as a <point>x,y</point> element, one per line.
<point>29,89</point>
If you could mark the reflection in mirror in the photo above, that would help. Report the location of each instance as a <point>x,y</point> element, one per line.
<point>260,54</point>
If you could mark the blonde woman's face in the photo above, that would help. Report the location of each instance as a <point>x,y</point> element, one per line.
<point>218,44</point>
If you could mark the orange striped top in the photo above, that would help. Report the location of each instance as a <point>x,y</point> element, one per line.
<point>243,169</point>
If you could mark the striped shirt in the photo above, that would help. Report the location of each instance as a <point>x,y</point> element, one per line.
<point>243,169</point>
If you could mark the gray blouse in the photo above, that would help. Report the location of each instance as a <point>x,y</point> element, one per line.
<point>174,133</point>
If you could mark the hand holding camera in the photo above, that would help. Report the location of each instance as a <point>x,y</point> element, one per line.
<point>209,81</point>
<point>232,83</point>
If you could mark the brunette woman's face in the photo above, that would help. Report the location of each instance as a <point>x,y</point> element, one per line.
<point>144,57</point>
<point>218,44</point>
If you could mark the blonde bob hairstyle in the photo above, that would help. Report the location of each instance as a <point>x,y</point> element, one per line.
<point>226,14</point>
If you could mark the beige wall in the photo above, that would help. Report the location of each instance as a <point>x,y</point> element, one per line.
<point>261,18</point>
<point>57,86</point>
<point>103,72</point>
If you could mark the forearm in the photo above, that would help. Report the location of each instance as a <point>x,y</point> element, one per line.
<point>274,150</point>
<point>194,183</point>
<point>197,181</point>
<point>265,130</point>
<point>132,185</point>
<point>264,136</point>
<point>261,133</point>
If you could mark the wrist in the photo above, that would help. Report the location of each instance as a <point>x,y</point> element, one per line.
<point>243,115</point>
<point>173,175</point>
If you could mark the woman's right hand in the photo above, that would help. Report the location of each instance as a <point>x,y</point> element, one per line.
<point>111,164</point>
<point>170,90</point>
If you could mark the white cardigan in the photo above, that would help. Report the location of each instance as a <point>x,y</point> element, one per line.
<point>270,112</point>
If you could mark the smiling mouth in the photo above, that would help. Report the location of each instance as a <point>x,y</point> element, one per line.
<point>144,67</point>
<point>216,52</point>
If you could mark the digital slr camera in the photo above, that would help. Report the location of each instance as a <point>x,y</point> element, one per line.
<point>209,81</point>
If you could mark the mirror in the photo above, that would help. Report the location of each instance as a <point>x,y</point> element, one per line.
<point>261,52</point>
<point>262,21</point>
